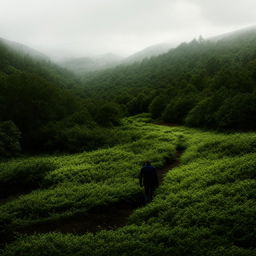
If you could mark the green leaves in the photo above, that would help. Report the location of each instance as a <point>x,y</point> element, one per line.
<point>205,206</point>
<point>79,182</point>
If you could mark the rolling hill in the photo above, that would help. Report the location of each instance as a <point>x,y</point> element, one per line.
<point>200,83</point>
<point>84,65</point>
<point>67,201</point>
<point>16,58</point>
<point>89,64</point>
<point>149,52</point>
<point>41,103</point>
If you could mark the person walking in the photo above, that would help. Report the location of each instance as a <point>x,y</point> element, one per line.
<point>148,178</point>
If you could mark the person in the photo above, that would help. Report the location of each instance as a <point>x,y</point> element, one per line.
<point>148,178</point>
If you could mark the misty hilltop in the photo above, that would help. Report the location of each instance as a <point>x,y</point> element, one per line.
<point>198,83</point>
<point>148,52</point>
<point>76,134</point>
<point>88,64</point>
<point>110,60</point>
<point>23,49</point>
<point>97,63</point>
<point>234,34</point>
<point>72,147</point>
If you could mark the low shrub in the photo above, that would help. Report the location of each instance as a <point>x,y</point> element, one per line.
<point>23,176</point>
<point>9,139</point>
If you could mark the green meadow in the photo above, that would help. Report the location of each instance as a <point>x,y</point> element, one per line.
<point>205,205</point>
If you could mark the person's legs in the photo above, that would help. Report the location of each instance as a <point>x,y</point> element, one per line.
<point>151,192</point>
<point>147,195</point>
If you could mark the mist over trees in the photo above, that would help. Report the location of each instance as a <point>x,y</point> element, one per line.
<point>72,146</point>
<point>45,108</point>
<point>204,83</point>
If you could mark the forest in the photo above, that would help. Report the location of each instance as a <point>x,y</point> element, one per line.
<point>43,108</point>
<point>72,145</point>
<point>204,83</point>
<point>205,206</point>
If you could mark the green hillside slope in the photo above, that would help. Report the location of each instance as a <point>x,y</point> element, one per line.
<point>16,58</point>
<point>44,109</point>
<point>204,83</point>
<point>206,205</point>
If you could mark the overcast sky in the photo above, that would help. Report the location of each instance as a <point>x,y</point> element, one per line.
<point>91,27</point>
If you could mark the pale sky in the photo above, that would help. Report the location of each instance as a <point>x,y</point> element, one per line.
<point>66,28</point>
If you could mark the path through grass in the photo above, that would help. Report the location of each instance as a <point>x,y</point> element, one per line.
<point>205,206</point>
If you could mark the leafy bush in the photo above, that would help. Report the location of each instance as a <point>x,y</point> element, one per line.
<point>238,112</point>
<point>23,176</point>
<point>219,146</point>
<point>107,114</point>
<point>74,139</point>
<point>177,109</point>
<point>80,182</point>
<point>157,106</point>
<point>206,206</point>
<point>9,139</point>
<point>197,78</point>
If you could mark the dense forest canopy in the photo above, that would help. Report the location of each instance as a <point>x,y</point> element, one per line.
<point>72,146</point>
<point>43,107</point>
<point>204,83</point>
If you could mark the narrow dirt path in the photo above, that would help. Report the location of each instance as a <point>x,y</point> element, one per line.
<point>170,164</point>
<point>109,217</point>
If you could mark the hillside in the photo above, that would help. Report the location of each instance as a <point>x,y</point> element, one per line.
<point>205,206</point>
<point>235,34</point>
<point>44,109</point>
<point>149,52</point>
<point>16,58</point>
<point>23,49</point>
<point>203,83</point>
<point>84,65</point>
<point>70,162</point>
<point>89,64</point>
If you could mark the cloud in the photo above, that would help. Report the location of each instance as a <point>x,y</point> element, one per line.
<point>89,27</point>
<point>228,12</point>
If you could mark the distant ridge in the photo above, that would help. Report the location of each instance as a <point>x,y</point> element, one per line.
<point>89,64</point>
<point>109,60</point>
<point>234,34</point>
<point>21,48</point>
<point>148,52</point>
<point>158,49</point>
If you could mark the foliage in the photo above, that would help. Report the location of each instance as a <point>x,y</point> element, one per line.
<point>238,112</point>
<point>74,183</point>
<point>206,206</point>
<point>22,176</point>
<point>157,106</point>
<point>203,83</point>
<point>107,114</point>
<point>177,110</point>
<point>9,139</point>
<point>50,106</point>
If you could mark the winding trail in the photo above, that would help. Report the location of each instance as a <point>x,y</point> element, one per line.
<point>108,217</point>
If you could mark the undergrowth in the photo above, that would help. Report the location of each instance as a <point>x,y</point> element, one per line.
<point>206,205</point>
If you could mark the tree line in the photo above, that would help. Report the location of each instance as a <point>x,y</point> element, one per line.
<point>204,83</point>
<point>44,109</point>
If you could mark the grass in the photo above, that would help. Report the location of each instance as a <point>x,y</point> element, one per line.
<point>206,206</point>
<point>74,183</point>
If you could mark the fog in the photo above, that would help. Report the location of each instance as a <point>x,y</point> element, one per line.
<point>72,28</point>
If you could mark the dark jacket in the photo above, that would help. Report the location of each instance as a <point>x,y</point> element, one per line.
<point>148,176</point>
